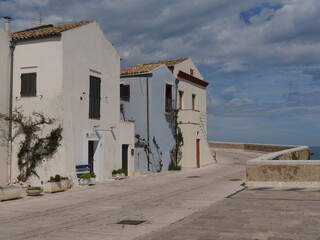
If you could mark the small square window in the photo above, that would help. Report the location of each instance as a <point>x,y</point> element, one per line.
<point>125,92</point>
<point>28,84</point>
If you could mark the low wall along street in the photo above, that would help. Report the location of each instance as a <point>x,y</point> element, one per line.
<point>283,166</point>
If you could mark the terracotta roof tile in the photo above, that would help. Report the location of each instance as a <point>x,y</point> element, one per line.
<point>148,67</point>
<point>46,30</point>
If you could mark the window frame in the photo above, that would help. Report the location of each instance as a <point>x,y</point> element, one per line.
<point>193,103</point>
<point>94,97</point>
<point>124,92</point>
<point>168,107</point>
<point>28,87</point>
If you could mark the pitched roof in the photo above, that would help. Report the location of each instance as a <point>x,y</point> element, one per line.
<point>148,67</point>
<point>47,30</point>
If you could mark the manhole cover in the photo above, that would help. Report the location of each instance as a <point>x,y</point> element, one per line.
<point>131,222</point>
<point>194,177</point>
<point>235,179</point>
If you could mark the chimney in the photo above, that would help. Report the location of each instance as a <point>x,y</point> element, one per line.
<point>7,23</point>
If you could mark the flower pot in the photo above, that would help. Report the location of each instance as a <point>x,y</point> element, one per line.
<point>83,181</point>
<point>11,192</point>
<point>92,181</point>
<point>68,183</point>
<point>34,192</point>
<point>51,187</point>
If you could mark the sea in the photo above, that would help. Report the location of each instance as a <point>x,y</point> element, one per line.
<point>315,153</point>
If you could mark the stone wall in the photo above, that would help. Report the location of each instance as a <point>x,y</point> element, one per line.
<point>250,146</point>
<point>284,169</point>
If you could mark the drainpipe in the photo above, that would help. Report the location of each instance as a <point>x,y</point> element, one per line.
<point>148,126</point>
<point>176,118</point>
<point>12,48</point>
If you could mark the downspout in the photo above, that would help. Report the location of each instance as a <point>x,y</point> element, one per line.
<point>12,47</point>
<point>176,117</point>
<point>148,124</point>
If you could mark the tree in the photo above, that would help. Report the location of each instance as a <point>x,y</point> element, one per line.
<point>33,148</point>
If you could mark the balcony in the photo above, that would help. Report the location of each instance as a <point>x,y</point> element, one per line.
<point>189,116</point>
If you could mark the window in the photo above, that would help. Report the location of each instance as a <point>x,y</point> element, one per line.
<point>180,99</point>
<point>193,102</point>
<point>28,84</point>
<point>168,98</point>
<point>94,97</point>
<point>125,92</point>
<point>191,71</point>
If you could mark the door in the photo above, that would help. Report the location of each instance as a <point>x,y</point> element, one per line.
<point>125,157</point>
<point>198,153</point>
<point>92,147</point>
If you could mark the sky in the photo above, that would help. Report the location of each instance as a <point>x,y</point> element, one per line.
<point>261,58</point>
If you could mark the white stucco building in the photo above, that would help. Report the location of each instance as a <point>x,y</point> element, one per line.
<point>71,72</point>
<point>4,101</point>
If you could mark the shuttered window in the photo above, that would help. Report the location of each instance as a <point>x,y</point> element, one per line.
<point>94,97</point>
<point>28,85</point>
<point>124,92</point>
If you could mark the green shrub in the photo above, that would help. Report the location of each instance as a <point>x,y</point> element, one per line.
<point>92,174</point>
<point>56,178</point>
<point>85,176</point>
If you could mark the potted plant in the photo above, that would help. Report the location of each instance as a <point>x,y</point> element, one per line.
<point>119,174</point>
<point>10,192</point>
<point>34,191</point>
<point>55,185</point>
<point>68,182</point>
<point>92,179</point>
<point>84,179</point>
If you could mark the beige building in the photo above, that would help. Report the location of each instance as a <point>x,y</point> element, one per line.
<point>192,117</point>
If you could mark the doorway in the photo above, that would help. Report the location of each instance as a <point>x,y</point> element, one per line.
<point>125,148</point>
<point>198,153</point>
<point>92,147</point>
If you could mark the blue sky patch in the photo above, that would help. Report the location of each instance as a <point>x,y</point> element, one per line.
<point>247,15</point>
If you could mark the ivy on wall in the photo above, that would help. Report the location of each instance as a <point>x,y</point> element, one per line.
<point>33,148</point>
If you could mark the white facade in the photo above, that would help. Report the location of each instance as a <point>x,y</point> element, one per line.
<point>192,118</point>
<point>63,65</point>
<point>4,102</point>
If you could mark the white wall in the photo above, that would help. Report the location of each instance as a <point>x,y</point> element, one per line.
<point>45,58</point>
<point>4,100</point>
<point>86,51</point>
<point>64,65</point>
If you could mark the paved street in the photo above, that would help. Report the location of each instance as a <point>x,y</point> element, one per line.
<point>264,214</point>
<point>92,212</point>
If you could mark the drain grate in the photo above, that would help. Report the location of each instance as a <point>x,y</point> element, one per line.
<point>235,179</point>
<point>261,188</point>
<point>294,189</point>
<point>131,222</point>
<point>193,177</point>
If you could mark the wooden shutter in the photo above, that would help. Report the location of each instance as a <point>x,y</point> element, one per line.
<point>33,84</point>
<point>24,85</point>
<point>94,97</point>
<point>28,84</point>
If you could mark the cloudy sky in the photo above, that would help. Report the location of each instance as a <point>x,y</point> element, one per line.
<point>261,58</point>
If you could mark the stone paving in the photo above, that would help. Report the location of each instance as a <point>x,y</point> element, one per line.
<point>265,214</point>
<point>92,212</point>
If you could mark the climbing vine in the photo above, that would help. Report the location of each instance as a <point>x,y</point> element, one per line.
<point>33,148</point>
<point>142,143</point>
<point>176,151</point>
